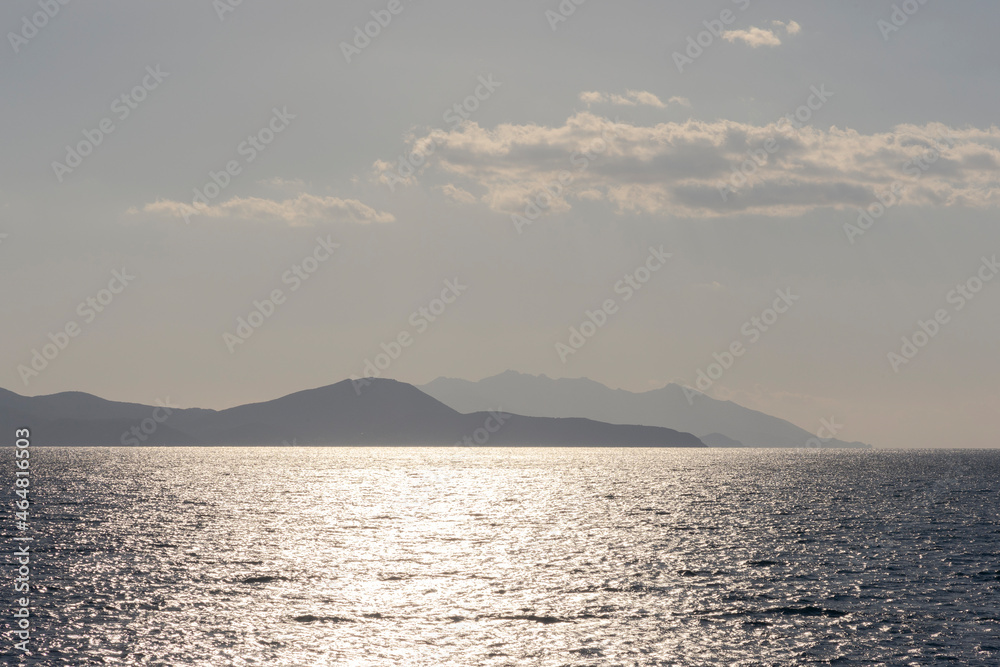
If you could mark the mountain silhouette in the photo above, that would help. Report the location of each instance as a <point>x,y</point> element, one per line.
<point>382,412</point>
<point>717,423</point>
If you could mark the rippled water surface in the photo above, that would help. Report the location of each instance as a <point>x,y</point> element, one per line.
<point>446,556</point>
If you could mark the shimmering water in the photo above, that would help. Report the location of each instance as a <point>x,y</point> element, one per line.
<point>371,556</point>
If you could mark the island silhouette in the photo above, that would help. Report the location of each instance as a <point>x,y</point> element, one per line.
<point>370,412</point>
<point>509,409</point>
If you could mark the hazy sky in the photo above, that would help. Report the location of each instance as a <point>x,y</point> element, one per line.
<point>115,113</point>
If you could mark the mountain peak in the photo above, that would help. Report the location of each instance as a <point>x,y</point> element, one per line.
<point>671,406</point>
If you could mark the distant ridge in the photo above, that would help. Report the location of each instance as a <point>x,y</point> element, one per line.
<point>383,412</point>
<point>717,423</point>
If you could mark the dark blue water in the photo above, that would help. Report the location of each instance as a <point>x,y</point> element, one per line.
<point>372,556</point>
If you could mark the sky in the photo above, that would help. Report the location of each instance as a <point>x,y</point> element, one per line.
<point>791,205</point>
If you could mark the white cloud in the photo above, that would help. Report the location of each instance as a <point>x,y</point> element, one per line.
<point>593,97</point>
<point>304,210</point>
<point>645,98</point>
<point>631,98</point>
<point>792,28</point>
<point>678,168</point>
<point>754,37</point>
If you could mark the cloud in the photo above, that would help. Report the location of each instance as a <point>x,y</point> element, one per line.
<point>593,97</point>
<point>631,98</point>
<point>457,194</point>
<point>792,28</point>
<point>304,210</point>
<point>680,168</point>
<point>754,37</point>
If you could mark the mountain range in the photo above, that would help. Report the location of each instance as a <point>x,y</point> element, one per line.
<point>536,410</point>
<point>717,423</point>
<point>370,412</point>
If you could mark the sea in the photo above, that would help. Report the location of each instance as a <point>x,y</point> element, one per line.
<point>517,556</point>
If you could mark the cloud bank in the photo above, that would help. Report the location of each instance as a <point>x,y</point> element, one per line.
<point>680,168</point>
